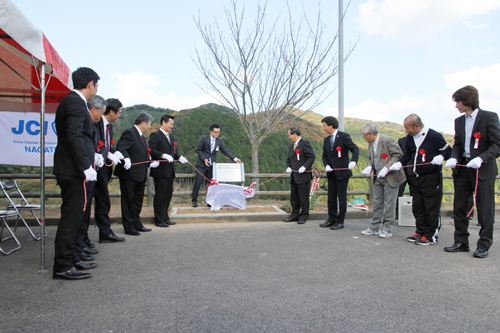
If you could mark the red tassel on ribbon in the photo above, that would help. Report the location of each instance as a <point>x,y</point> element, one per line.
<point>214,182</point>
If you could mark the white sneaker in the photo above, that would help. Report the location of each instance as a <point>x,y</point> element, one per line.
<point>369,232</point>
<point>384,234</point>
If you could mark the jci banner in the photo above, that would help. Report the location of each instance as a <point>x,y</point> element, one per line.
<point>20,138</point>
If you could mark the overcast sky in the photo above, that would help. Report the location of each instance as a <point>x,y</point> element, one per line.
<point>411,55</point>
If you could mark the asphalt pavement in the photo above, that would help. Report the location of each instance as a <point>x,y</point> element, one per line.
<point>257,277</point>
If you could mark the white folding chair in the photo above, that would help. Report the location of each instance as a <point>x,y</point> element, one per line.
<point>4,214</point>
<point>12,185</point>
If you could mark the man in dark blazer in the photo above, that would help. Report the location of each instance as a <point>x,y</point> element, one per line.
<point>134,148</point>
<point>102,202</point>
<point>477,145</point>
<point>73,166</point>
<point>163,147</point>
<point>424,145</point>
<point>336,147</point>
<point>383,151</point>
<point>207,149</point>
<point>298,164</point>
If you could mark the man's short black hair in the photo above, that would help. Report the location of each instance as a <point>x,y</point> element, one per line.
<point>294,130</point>
<point>166,118</point>
<point>213,126</point>
<point>331,121</point>
<point>113,104</point>
<point>83,76</point>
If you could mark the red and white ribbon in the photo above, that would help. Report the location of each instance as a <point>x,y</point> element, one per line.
<point>422,152</point>
<point>298,156</point>
<point>339,149</point>
<point>477,136</point>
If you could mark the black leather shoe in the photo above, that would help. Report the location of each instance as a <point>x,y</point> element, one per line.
<point>89,244</point>
<point>170,222</point>
<point>90,251</point>
<point>111,238</point>
<point>144,229</point>
<point>86,257</point>
<point>337,226</point>
<point>83,266</point>
<point>480,253</point>
<point>301,222</point>
<point>290,219</point>
<point>133,233</point>
<point>194,203</point>
<point>71,274</point>
<point>326,224</point>
<point>457,247</point>
<point>162,225</point>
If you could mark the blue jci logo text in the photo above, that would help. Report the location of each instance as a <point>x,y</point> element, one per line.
<point>32,127</point>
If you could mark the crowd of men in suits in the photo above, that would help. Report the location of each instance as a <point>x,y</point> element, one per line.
<point>416,159</point>
<point>86,153</point>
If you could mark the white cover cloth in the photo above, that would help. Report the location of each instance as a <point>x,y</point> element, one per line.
<point>225,194</point>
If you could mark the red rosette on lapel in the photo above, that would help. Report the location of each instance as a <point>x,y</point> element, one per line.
<point>477,136</point>
<point>100,144</point>
<point>298,157</point>
<point>422,152</point>
<point>149,153</point>
<point>339,149</point>
<point>384,155</point>
<point>175,144</point>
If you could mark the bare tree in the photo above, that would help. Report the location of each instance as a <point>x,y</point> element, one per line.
<point>263,74</point>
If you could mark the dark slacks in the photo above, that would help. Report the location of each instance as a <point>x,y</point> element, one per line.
<point>73,200</point>
<point>82,236</point>
<point>198,180</point>
<point>163,196</point>
<point>299,200</point>
<point>102,203</point>
<point>132,197</point>
<point>465,185</point>
<point>427,193</point>
<point>337,190</point>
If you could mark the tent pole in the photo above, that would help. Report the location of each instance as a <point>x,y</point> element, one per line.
<point>42,170</point>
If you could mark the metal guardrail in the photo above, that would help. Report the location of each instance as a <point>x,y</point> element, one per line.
<point>150,188</point>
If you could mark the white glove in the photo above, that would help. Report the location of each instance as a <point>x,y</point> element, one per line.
<point>113,158</point>
<point>475,163</point>
<point>167,157</point>
<point>302,169</point>
<point>183,160</point>
<point>154,164</point>
<point>127,163</point>
<point>90,175</point>
<point>98,160</point>
<point>437,160</point>
<point>383,172</point>
<point>451,163</point>
<point>119,155</point>
<point>352,165</point>
<point>328,168</point>
<point>367,170</point>
<point>288,170</point>
<point>396,166</point>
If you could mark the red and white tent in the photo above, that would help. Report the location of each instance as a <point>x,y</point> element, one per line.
<point>33,79</point>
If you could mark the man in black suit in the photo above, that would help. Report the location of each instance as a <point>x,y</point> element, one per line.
<point>299,163</point>
<point>477,145</point>
<point>207,149</point>
<point>163,147</point>
<point>424,145</point>
<point>84,248</point>
<point>134,148</point>
<point>73,167</point>
<point>336,147</point>
<point>102,202</point>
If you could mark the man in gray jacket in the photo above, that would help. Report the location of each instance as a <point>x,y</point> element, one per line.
<point>383,151</point>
